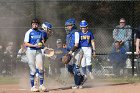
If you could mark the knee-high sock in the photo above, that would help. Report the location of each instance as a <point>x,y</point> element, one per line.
<point>89,68</point>
<point>84,70</point>
<point>32,80</point>
<point>41,76</point>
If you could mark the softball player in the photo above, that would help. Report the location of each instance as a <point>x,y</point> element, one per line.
<point>22,54</point>
<point>72,41</point>
<point>87,44</point>
<point>32,40</point>
<point>46,32</point>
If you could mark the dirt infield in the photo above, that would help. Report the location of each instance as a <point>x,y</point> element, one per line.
<point>95,88</point>
<point>55,86</point>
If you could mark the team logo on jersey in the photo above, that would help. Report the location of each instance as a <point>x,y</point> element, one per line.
<point>85,37</point>
<point>58,52</point>
<point>37,36</point>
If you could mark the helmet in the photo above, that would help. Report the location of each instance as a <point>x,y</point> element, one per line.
<point>46,26</point>
<point>70,21</point>
<point>35,21</point>
<point>83,23</point>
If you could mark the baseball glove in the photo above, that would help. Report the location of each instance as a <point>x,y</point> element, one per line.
<point>49,52</point>
<point>66,58</point>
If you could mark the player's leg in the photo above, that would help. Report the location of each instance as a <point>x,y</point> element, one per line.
<point>83,65</point>
<point>88,55</point>
<point>31,57</point>
<point>40,67</point>
<point>37,77</point>
<point>70,67</point>
<point>52,68</point>
<point>78,77</point>
<point>58,68</point>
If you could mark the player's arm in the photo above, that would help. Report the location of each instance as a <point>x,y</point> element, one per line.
<point>76,43</point>
<point>138,42</point>
<point>137,46</point>
<point>93,45</point>
<point>44,37</point>
<point>27,38</point>
<point>29,45</point>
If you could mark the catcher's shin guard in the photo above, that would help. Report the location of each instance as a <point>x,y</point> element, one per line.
<point>78,77</point>
<point>70,68</point>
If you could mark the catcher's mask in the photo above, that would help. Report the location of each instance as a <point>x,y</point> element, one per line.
<point>70,22</point>
<point>49,52</point>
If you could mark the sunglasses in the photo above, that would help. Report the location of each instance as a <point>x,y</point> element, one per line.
<point>122,22</point>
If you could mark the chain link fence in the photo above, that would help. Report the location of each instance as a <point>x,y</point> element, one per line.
<point>102,16</point>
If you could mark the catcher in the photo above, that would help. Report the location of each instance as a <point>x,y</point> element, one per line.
<point>74,56</point>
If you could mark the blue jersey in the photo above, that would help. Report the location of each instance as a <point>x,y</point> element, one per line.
<point>85,39</point>
<point>45,36</point>
<point>33,37</point>
<point>72,38</point>
<point>60,52</point>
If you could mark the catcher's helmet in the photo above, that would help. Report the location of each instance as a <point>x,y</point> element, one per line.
<point>35,21</point>
<point>70,21</point>
<point>83,23</point>
<point>46,26</point>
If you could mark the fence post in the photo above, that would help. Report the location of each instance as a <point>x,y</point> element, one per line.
<point>133,49</point>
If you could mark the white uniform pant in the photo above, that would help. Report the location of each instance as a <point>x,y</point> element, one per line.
<point>86,60</point>
<point>35,60</point>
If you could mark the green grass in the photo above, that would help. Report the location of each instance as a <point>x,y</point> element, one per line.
<point>8,80</point>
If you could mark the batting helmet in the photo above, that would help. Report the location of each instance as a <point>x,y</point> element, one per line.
<point>83,23</point>
<point>70,21</point>
<point>35,21</point>
<point>46,26</point>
